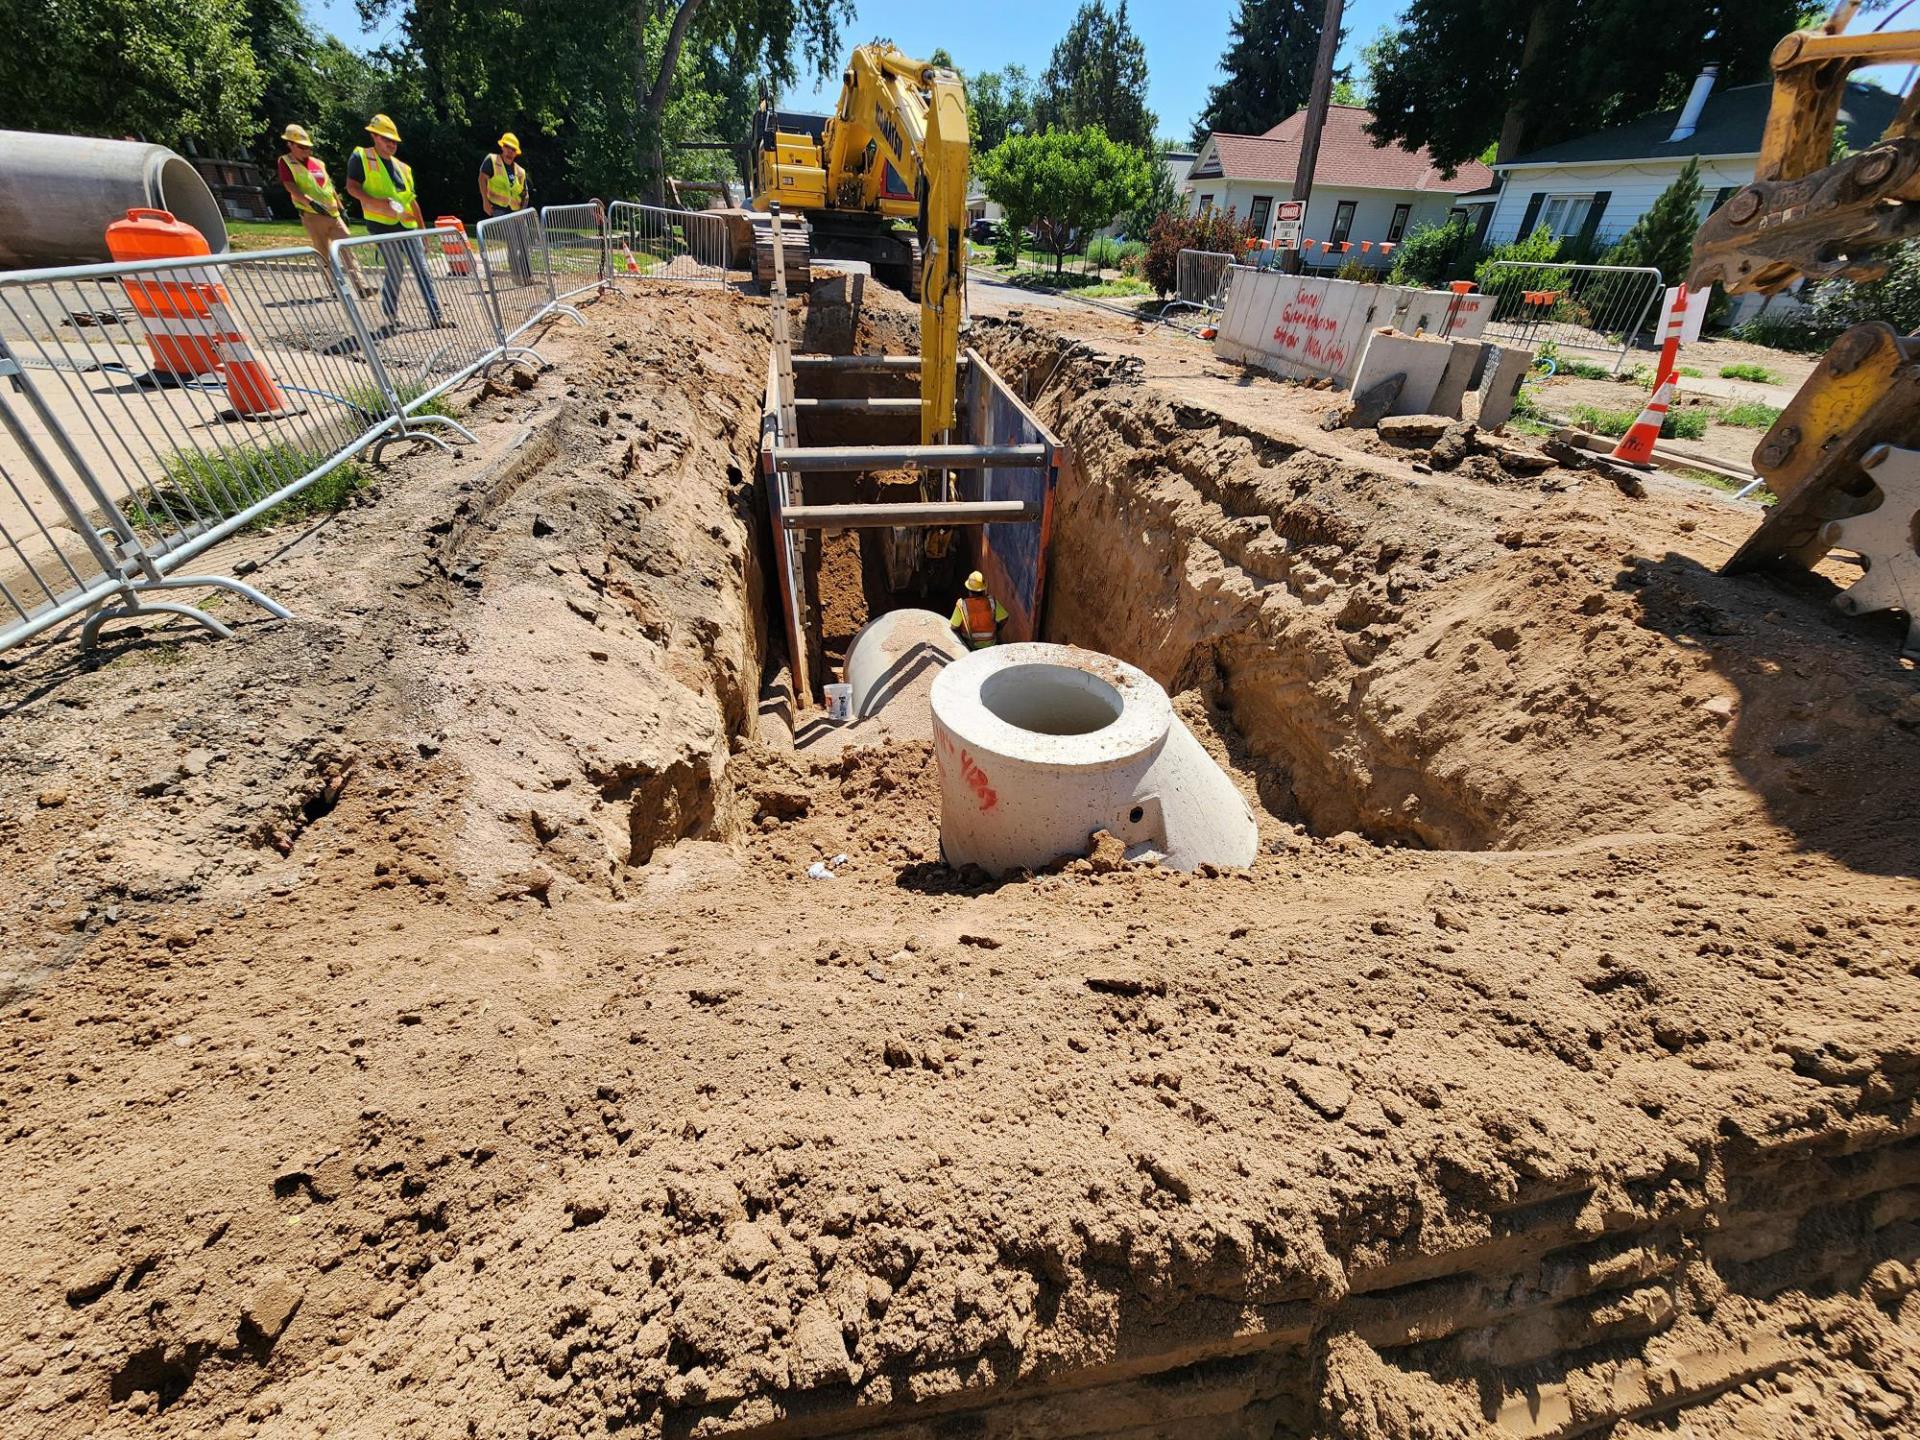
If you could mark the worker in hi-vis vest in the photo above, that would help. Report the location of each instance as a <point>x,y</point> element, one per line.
<point>304,177</point>
<point>503,190</point>
<point>383,184</point>
<point>977,616</point>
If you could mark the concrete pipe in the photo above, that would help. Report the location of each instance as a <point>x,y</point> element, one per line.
<point>1039,746</point>
<point>58,194</point>
<point>893,652</point>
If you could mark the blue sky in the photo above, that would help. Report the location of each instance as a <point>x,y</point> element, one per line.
<point>1184,40</point>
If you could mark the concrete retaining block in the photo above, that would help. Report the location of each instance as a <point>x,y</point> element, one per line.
<point>1505,369</point>
<point>1308,328</point>
<point>1423,361</point>
<point>1463,365</point>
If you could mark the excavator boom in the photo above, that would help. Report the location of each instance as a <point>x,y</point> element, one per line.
<point>1843,457</point>
<point>895,148</point>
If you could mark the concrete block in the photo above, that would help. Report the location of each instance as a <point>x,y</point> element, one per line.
<point>1423,361</point>
<point>1505,369</point>
<point>1463,364</point>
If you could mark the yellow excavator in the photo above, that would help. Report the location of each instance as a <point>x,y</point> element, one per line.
<point>1844,456</point>
<point>894,149</point>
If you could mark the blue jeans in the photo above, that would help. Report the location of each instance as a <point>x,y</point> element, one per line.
<point>416,253</point>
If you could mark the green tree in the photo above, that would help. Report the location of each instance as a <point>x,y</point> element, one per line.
<point>1458,75</point>
<point>1064,184</point>
<point>999,103</point>
<point>1663,235</point>
<point>1098,76</point>
<point>1161,198</point>
<point>1268,64</point>
<point>176,73</point>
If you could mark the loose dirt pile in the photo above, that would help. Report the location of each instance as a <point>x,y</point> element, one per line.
<point>423,1024</point>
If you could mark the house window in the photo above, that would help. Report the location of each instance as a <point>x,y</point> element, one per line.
<point>1401,214</point>
<point>1342,220</point>
<point>1206,203</point>
<point>1565,214</point>
<point>1258,214</point>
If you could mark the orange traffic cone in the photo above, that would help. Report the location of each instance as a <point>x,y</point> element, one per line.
<point>251,388</point>
<point>633,266</point>
<point>1636,446</point>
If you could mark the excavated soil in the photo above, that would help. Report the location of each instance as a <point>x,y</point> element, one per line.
<point>421,1022</point>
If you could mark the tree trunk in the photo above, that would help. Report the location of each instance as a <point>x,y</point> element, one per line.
<point>654,106</point>
<point>1514,126</point>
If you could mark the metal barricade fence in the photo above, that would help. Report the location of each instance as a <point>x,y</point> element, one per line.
<point>1600,308</point>
<point>514,268</point>
<point>166,404</point>
<point>430,322</point>
<point>1203,276</point>
<point>577,248</point>
<point>650,242</point>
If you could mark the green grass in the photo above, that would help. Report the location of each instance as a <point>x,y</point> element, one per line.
<point>1691,371</point>
<point>214,485</point>
<point>1750,415</point>
<point>1747,370</point>
<point>265,234</point>
<point>1718,481</point>
<point>1126,285</point>
<point>1686,424</point>
<point>1585,370</point>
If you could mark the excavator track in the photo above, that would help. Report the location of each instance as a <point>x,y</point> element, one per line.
<point>798,243</point>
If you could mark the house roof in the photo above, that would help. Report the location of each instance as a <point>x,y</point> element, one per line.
<point>1349,157</point>
<point>1730,124</point>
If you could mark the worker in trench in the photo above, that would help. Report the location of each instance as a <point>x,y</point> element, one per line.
<point>382,183</point>
<point>977,616</point>
<point>503,190</point>
<point>303,175</point>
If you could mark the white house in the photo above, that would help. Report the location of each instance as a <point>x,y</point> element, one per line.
<point>1363,192</point>
<point>1594,187</point>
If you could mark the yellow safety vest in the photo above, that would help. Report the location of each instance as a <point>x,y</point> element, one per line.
<point>506,185</point>
<point>379,182</point>
<point>317,195</point>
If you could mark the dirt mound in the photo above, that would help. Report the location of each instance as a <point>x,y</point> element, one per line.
<point>428,1020</point>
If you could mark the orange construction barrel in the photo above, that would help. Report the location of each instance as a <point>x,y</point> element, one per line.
<point>172,308</point>
<point>454,247</point>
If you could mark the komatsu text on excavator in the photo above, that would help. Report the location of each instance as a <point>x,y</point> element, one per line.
<point>894,150</point>
<point>1844,456</point>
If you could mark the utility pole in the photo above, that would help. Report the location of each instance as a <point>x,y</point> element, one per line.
<point>1318,98</point>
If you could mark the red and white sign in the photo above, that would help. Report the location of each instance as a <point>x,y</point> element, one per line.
<point>1691,318</point>
<point>1291,212</point>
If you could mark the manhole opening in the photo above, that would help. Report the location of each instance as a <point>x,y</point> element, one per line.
<point>1051,699</point>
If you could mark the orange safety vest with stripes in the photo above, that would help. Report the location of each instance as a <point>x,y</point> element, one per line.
<point>979,616</point>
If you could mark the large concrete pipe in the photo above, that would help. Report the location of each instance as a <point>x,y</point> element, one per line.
<point>1039,746</point>
<point>58,194</point>
<point>897,654</point>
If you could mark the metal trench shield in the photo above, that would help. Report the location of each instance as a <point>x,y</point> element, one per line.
<point>1012,555</point>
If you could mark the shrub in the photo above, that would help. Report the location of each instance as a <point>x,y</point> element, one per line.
<point>1430,255</point>
<point>1750,415</point>
<point>1783,330</point>
<point>1745,370</point>
<point>1837,305</point>
<point>1211,229</point>
<point>1109,254</point>
<point>1352,269</point>
<point>1540,249</point>
<point>1006,247</point>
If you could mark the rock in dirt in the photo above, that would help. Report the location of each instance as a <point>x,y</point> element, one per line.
<point>819,1355</point>
<point>1327,1091</point>
<point>93,1281</point>
<point>1414,427</point>
<point>1368,409</point>
<point>1454,446</point>
<point>271,1305</point>
<point>1108,852</point>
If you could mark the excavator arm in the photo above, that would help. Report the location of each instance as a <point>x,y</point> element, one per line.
<point>894,148</point>
<point>1843,458</point>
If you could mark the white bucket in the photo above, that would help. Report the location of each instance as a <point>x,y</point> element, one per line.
<point>839,703</point>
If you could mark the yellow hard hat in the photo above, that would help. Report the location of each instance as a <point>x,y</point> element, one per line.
<point>509,139</point>
<point>383,127</point>
<point>297,135</point>
<point>976,581</point>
